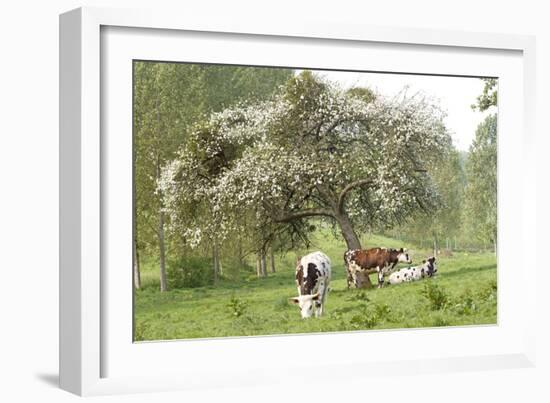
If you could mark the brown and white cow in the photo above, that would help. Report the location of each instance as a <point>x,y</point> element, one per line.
<point>382,261</point>
<point>312,281</point>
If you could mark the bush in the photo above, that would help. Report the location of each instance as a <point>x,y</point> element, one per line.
<point>237,307</point>
<point>466,305</point>
<point>189,272</point>
<point>369,316</point>
<point>436,296</point>
<point>489,293</point>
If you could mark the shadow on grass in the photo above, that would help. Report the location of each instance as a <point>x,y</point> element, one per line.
<point>467,270</point>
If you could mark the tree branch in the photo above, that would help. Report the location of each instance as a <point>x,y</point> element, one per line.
<point>305,213</point>
<point>347,189</point>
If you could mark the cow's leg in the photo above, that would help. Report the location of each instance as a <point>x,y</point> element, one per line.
<point>349,277</point>
<point>380,277</point>
<point>321,302</point>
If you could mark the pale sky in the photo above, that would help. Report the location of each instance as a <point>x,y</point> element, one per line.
<point>454,94</point>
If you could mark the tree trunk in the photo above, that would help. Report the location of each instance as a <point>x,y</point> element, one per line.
<point>162,254</point>
<point>216,262</point>
<point>264,264</point>
<point>352,242</point>
<point>351,238</point>
<point>258,265</point>
<point>137,275</point>
<point>272,259</point>
<point>241,260</point>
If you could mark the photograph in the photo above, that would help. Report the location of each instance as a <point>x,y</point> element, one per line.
<point>292,200</point>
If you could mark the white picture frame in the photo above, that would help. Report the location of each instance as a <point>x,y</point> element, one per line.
<point>96,356</point>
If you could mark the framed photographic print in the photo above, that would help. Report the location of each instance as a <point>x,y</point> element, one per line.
<point>235,197</point>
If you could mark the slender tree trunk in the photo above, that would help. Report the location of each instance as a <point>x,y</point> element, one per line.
<point>272,259</point>
<point>258,264</point>
<point>137,275</point>
<point>264,264</point>
<point>216,262</point>
<point>162,254</point>
<point>241,260</point>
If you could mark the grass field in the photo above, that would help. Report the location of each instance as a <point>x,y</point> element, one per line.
<point>463,293</point>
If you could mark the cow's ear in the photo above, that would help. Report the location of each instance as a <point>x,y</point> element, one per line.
<point>401,250</point>
<point>294,300</point>
<point>315,296</point>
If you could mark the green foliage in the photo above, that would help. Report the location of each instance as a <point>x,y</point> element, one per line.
<point>489,97</point>
<point>435,294</point>
<point>367,318</point>
<point>480,211</point>
<point>168,99</point>
<point>365,94</point>
<point>443,222</point>
<point>467,305</point>
<point>237,307</point>
<point>189,272</point>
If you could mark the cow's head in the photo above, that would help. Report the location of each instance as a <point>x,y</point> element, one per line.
<point>403,256</point>
<point>307,304</point>
<point>430,265</point>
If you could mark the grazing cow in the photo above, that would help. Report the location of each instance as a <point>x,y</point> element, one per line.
<point>312,281</point>
<point>428,269</point>
<point>376,260</point>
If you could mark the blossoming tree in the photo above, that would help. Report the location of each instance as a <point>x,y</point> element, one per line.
<point>313,151</point>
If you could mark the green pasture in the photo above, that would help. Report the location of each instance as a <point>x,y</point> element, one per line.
<point>463,293</point>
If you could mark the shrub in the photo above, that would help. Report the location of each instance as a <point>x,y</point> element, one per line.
<point>237,307</point>
<point>466,305</point>
<point>141,328</point>
<point>369,316</point>
<point>382,310</point>
<point>489,293</point>
<point>440,321</point>
<point>436,296</point>
<point>189,272</point>
<point>367,319</point>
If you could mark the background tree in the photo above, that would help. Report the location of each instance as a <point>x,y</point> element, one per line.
<point>312,151</point>
<point>168,99</point>
<point>480,213</point>
<point>444,222</point>
<point>489,96</point>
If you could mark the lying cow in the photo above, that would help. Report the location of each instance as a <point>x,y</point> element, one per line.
<point>360,262</point>
<point>312,281</point>
<point>428,269</point>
